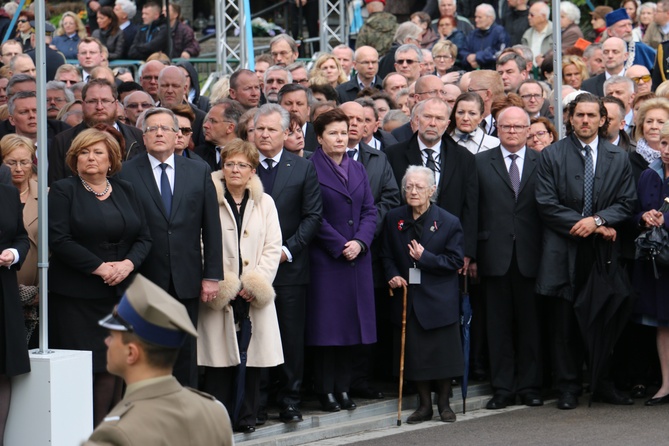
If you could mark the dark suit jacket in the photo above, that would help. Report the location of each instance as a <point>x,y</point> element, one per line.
<point>297,196</point>
<point>436,300</point>
<point>505,223</point>
<point>53,127</point>
<point>310,141</point>
<point>595,85</point>
<point>403,132</point>
<point>387,139</point>
<point>80,242</point>
<point>207,152</point>
<point>458,188</point>
<point>176,255</point>
<point>129,34</point>
<point>560,199</point>
<point>134,145</point>
<point>54,59</point>
<point>348,91</point>
<point>5,175</point>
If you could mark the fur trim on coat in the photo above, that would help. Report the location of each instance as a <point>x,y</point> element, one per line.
<point>254,187</point>
<point>260,289</point>
<point>227,290</point>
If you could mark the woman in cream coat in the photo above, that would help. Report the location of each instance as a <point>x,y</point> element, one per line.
<point>251,255</point>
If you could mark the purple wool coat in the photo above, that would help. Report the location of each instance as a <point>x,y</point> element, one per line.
<point>340,302</point>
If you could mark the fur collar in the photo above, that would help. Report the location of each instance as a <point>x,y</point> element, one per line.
<point>254,186</point>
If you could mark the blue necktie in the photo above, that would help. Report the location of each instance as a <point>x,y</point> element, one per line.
<point>351,153</point>
<point>588,180</point>
<point>165,190</point>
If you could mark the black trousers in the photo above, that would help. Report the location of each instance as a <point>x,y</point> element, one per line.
<point>185,367</point>
<point>513,332</point>
<point>221,382</point>
<point>332,369</point>
<point>310,16</point>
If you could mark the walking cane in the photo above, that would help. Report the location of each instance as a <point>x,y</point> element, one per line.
<point>402,346</point>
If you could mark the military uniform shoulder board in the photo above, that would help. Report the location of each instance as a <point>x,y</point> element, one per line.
<point>118,414</point>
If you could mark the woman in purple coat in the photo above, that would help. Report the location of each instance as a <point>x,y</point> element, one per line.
<point>340,306</point>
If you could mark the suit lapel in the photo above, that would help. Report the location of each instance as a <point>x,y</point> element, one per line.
<point>285,171</point>
<point>181,174</point>
<point>430,226</point>
<point>448,163</point>
<point>413,155</point>
<point>146,174</point>
<point>604,159</point>
<point>529,164</point>
<point>499,166</point>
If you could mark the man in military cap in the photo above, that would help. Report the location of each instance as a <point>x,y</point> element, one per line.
<point>146,330</point>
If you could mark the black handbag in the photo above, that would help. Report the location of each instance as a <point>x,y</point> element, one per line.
<point>653,245</point>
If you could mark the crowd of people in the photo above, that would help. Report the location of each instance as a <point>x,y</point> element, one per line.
<point>280,210</point>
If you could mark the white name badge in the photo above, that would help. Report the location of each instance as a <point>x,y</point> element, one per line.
<point>414,276</point>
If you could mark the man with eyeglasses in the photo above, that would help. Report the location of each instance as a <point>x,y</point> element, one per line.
<point>366,62</point>
<point>508,260</point>
<point>641,77</point>
<point>99,97</point>
<point>293,185</point>
<point>585,192</point>
<point>425,87</point>
<point>57,95</point>
<point>299,73</point>
<point>484,43</point>
<point>10,49</point>
<point>89,55</point>
<point>245,88</point>
<point>454,167</point>
<point>135,104</point>
<point>219,128</point>
<point>181,208</point>
<point>408,60</point>
<point>532,94</point>
<point>623,88</point>
<point>407,32</point>
<point>148,77</point>
<point>68,74</point>
<point>283,50</point>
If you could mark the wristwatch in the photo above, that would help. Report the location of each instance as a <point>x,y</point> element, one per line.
<point>598,220</point>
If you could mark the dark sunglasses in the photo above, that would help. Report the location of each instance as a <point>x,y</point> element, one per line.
<point>186,130</point>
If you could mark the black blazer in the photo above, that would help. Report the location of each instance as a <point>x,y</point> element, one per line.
<point>79,238</point>
<point>310,141</point>
<point>348,91</point>
<point>5,175</point>
<point>134,145</point>
<point>53,127</point>
<point>176,255</point>
<point>382,181</point>
<point>207,152</point>
<point>297,196</point>
<point>436,300</point>
<point>458,188</point>
<point>595,85</point>
<point>505,223</point>
<point>403,132</point>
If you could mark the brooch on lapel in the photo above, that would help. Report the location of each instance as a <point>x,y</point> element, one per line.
<point>400,225</point>
<point>434,227</point>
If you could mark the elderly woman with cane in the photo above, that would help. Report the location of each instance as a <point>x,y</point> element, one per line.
<point>423,251</point>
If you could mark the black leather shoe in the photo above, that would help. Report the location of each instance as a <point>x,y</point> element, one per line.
<point>612,395</point>
<point>367,393</point>
<point>345,401</point>
<point>531,399</point>
<point>447,415</point>
<point>500,401</point>
<point>639,391</point>
<point>567,401</point>
<point>420,415</point>
<point>658,401</point>
<point>290,414</point>
<point>262,416</point>
<point>328,402</point>
<point>244,429</point>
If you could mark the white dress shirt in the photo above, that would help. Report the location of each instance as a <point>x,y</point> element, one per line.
<point>158,171</point>
<point>436,155</point>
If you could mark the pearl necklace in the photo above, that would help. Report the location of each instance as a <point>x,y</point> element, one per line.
<point>90,189</point>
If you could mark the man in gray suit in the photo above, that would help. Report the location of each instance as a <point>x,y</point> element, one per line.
<point>585,188</point>
<point>509,250</point>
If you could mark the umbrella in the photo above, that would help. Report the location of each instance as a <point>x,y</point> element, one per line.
<point>402,347</point>
<point>465,323</point>
<point>602,309</point>
<point>243,341</point>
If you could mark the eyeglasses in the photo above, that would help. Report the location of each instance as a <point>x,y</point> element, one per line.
<point>241,166</point>
<point>104,102</point>
<point>527,97</point>
<point>645,78</point>
<point>186,130</point>
<point>512,128</point>
<point>539,135</point>
<point>14,163</point>
<point>162,128</point>
<point>431,93</point>
<point>138,104</point>
<point>301,81</point>
<point>22,21</point>
<point>405,61</point>
<point>280,53</point>
<point>414,187</point>
<point>473,90</point>
<point>150,78</point>
<point>443,57</point>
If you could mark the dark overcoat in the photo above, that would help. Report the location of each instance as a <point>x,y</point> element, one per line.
<point>340,304</point>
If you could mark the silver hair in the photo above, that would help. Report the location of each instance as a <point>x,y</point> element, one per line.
<point>18,79</point>
<point>488,10</point>
<point>410,47</point>
<point>12,62</point>
<point>57,85</point>
<point>455,3</point>
<point>544,9</point>
<point>291,42</point>
<point>395,115</point>
<point>129,7</point>
<point>571,11</point>
<point>278,68</point>
<point>421,170</point>
<point>19,95</point>
<point>157,111</point>
<point>631,86</point>
<point>268,109</point>
<point>406,30</point>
